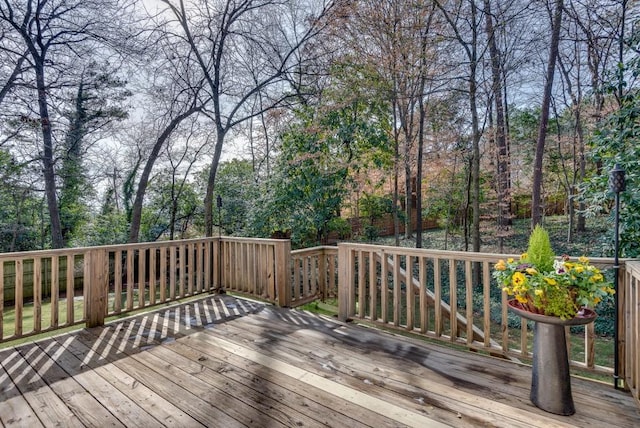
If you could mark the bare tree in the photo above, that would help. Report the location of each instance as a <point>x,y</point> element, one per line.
<point>464,19</point>
<point>168,126</point>
<point>54,34</point>
<point>597,23</point>
<point>502,162</point>
<point>181,162</point>
<point>242,48</point>
<point>536,197</point>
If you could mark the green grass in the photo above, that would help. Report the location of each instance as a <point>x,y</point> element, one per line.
<point>9,319</point>
<point>329,307</point>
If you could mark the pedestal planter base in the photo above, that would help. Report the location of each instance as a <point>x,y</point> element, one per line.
<point>550,381</point>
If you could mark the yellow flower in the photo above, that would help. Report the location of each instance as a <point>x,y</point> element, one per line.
<point>531,271</point>
<point>551,281</point>
<point>521,299</point>
<point>583,259</point>
<point>539,292</point>
<point>596,300</point>
<point>500,265</point>
<point>524,256</point>
<point>579,269</point>
<point>518,279</point>
<point>510,260</point>
<point>596,278</point>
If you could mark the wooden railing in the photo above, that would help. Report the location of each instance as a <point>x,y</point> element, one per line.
<point>314,274</point>
<point>433,293</point>
<point>424,291</point>
<point>269,270</point>
<point>257,267</point>
<point>25,278</point>
<point>42,291</point>
<point>630,315</point>
<point>85,285</point>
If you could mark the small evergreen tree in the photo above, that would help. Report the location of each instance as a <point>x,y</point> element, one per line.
<point>540,254</point>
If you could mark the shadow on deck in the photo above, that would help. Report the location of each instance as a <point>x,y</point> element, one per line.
<point>223,361</point>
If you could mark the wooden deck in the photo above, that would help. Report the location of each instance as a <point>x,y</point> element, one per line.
<point>227,362</point>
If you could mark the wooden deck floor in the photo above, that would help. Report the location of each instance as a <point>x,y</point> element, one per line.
<point>227,362</point>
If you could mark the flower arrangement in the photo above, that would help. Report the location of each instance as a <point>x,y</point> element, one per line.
<point>545,285</point>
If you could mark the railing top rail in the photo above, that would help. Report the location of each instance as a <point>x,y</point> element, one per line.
<point>114,247</point>
<point>444,254</point>
<point>252,240</point>
<point>458,255</point>
<point>325,248</point>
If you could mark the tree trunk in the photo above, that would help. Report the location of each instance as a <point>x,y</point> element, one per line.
<point>408,199</point>
<point>47,158</point>
<point>208,199</point>
<point>71,169</point>
<point>419,173</point>
<point>396,166</point>
<point>174,208</point>
<point>475,163</point>
<point>9,84</point>
<point>502,164</point>
<point>136,212</point>
<point>536,197</point>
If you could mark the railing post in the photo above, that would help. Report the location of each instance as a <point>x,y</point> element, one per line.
<point>322,274</point>
<point>621,380</point>
<point>96,284</point>
<point>346,289</point>
<point>282,252</point>
<point>217,264</point>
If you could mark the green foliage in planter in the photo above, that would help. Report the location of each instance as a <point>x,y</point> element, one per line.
<point>540,254</point>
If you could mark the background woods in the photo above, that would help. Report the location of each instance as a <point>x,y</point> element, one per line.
<point>122,121</point>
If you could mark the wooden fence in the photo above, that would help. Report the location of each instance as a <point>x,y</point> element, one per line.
<point>433,293</point>
<point>630,328</point>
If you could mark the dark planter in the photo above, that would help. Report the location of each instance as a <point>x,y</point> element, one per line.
<point>550,381</point>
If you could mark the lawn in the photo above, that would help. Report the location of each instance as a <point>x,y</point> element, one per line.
<point>9,317</point>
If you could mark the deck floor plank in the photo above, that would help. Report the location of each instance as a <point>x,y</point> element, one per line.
<point>120,404</point>
<point>374,418</point>
<point>227,362</point>
<point>459,372</point>
<point>48,406</point>
<point>156,407</point>
<point>252,399</point>
<point>323,407</point>
<point>423,390</point>
<point>388,409</point>
<point>167,387</point>
<point>15,411</point>
<point>89,410</point>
